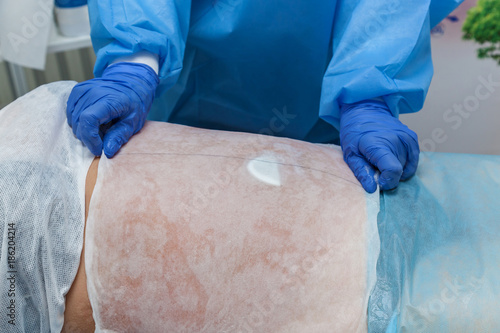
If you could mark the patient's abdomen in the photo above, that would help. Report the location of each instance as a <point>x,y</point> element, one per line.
<point>193,230</point>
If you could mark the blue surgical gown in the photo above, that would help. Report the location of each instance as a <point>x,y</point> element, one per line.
<point>275,67</point>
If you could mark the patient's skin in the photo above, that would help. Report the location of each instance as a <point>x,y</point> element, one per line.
<point>193,230</point>
<point>78,313</point>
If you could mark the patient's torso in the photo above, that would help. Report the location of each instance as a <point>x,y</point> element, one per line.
<point>192,230</point>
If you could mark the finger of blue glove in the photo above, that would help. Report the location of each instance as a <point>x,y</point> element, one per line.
<point>117,136</point>
<point>389,166</point>
<point>411,161</point>
<point>363,170</point>
<point>70,109</point>
<point>78,100</point>
<point>73,99</point>
<point>86,127</point>
<point>90,138</point>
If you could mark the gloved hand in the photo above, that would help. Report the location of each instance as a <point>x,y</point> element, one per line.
<point>123,94</point>
<point>372,138</point>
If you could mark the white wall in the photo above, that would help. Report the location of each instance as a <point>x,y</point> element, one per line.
<point>459,83</point>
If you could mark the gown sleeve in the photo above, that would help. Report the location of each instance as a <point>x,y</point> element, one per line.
<point>121,28</point>
<point>381,50</point>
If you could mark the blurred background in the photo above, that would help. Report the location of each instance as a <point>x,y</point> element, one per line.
<point>461,113</point>
<point>454,119</point>
<point>42,41</point>
<point>74,65</point>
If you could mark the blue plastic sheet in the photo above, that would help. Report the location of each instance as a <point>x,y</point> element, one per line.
<point>439,265</point>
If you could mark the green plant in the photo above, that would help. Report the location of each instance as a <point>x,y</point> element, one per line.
<point>483,26</point>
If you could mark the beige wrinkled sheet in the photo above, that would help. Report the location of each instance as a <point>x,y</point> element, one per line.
<point>193,230</point>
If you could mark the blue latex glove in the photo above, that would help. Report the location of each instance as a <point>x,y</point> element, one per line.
<point>123,94</point>
<point>372,138</point>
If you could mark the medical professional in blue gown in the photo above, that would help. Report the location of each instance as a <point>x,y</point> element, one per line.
<point>326,71</point>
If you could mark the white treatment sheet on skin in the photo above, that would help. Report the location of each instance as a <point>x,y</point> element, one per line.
<point>194,230</point>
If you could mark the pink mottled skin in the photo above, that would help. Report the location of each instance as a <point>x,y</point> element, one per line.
<point>182,237</point>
